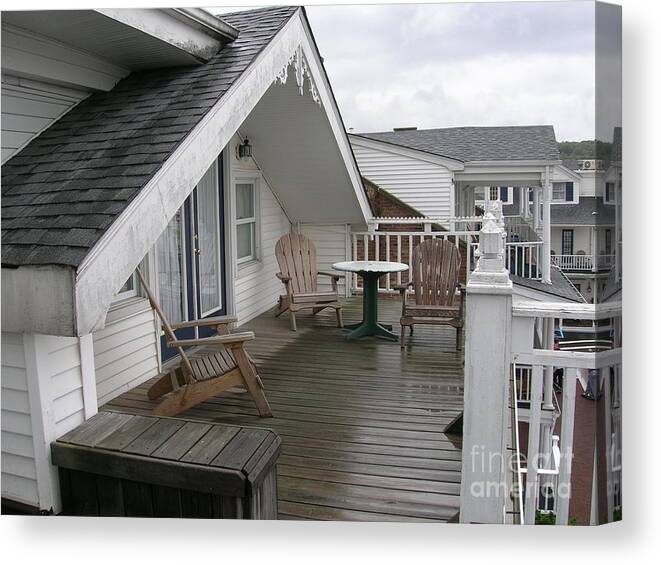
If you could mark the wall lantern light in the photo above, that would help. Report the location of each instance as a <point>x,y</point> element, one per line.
<point>245,149</point>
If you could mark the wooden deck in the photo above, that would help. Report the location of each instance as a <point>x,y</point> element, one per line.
<point>361,422</point>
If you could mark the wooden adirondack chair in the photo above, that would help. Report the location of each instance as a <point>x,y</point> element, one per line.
<point>197,379</point>
<point>438,298</point>
<point>297,258</point>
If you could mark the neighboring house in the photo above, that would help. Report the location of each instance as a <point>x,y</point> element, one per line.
<point>172,140</point>
<point>444,174</point>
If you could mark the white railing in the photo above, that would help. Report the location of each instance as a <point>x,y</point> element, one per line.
<point>524,259</point>
<point>398,246</point>
<point>549,483</point>
<point>583,262</point>
<point>519,229</point>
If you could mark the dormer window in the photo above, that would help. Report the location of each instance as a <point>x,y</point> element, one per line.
<point>563,192</point>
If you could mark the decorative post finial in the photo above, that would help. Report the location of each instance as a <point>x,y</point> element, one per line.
<point>490,268</point>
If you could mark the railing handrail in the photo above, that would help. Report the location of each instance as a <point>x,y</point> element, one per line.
<point>574,311</point>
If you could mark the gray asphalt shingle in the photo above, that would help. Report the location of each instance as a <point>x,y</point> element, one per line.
<point>507,143</point>
<point>63,190</point>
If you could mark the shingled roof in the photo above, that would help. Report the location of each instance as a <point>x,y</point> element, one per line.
<point>509,143</point>
<point>590,211</point>
<point>65,188</point>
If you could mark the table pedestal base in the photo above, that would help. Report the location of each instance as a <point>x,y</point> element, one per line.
<point>370,325</point>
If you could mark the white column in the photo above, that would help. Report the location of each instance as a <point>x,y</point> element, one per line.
<point>594,243</point>
<point>548,371</point>
<point>523,201</point>
<point>535,208</point>
<point>485,458</point>
<point>546,228</point>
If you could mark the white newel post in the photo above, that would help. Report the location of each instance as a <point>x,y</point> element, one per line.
<point>485,461</point>
<point>546,228</point>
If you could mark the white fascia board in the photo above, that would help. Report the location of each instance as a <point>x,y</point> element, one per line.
<point>333,114</point>
<point>114,257</point>
<point>567,171</point>
<point>447,162</point>
<point>179,31</point>
<point>38,299</point>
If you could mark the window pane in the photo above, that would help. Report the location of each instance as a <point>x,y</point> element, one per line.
<point>128,285</point>
<point>170,270</point>
<point>245,201</point>
<point>209,241</point>
<point>245,240</point>
<point>558,191</point>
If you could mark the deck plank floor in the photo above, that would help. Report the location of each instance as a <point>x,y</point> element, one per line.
<point>361,422</point>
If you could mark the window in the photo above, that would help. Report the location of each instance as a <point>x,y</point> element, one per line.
<point>608,247</point>
<point>501,193</point>
<point>567,242</point>
<point>563,191</point>
<point>130,288</point>
<point>610,192</point>
<point>246,221</point>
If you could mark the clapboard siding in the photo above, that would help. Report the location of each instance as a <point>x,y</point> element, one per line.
<point>256,288</point>
<point>125,350</point>
<point>19,474</point>
<point>331,244</point>
<point>425,186</point>
<point>66,382</point>
<point>29,107</point>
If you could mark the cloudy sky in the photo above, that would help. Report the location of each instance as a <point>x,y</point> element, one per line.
<point>442,65</point>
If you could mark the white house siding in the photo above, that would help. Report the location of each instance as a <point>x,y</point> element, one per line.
<point>125,350</point>
<point>256,288</point>
<point>29,107</point>
<point>19,474</point>
<point>332,246</point>
<point>425,186</point>
<point>42,399</point>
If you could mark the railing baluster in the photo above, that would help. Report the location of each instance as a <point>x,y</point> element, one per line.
<point>399,257</point>
<point>388,259</point>
<point>534,460</point>
<point>566,446</point>
<point>354,276</point>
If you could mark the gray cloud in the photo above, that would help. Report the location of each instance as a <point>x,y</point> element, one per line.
<point>461,64</point>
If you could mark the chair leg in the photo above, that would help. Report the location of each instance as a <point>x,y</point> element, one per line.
<point>458,342</point>
<point>292,320</point>
<point>338,315</point>
<point>252,381</point>
<point>281,307</point>
<point>401,335</point>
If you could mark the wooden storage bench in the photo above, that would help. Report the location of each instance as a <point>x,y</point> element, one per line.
<point>118,464</point>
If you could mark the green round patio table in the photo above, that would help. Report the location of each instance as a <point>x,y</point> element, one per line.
<point>370,271</point>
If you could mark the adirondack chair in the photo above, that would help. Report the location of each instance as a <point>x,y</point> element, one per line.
<point>438,298</point>
<point>197,379</point>
<point>297,258</point>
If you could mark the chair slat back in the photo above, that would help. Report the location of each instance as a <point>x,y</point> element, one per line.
<point>436,263</point>
<point>167,328</point>
<point>297,259</point>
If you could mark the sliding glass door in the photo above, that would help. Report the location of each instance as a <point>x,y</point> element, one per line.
<point>190,259</point>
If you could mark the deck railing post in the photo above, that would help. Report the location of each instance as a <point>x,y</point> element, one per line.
<point>485,460</point>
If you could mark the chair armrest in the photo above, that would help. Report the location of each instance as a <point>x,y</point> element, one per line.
<point>214,340</point>
<point>331,275</point>
<point>283,278</point>
<point>217,321</point>
<point>402,287</point>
